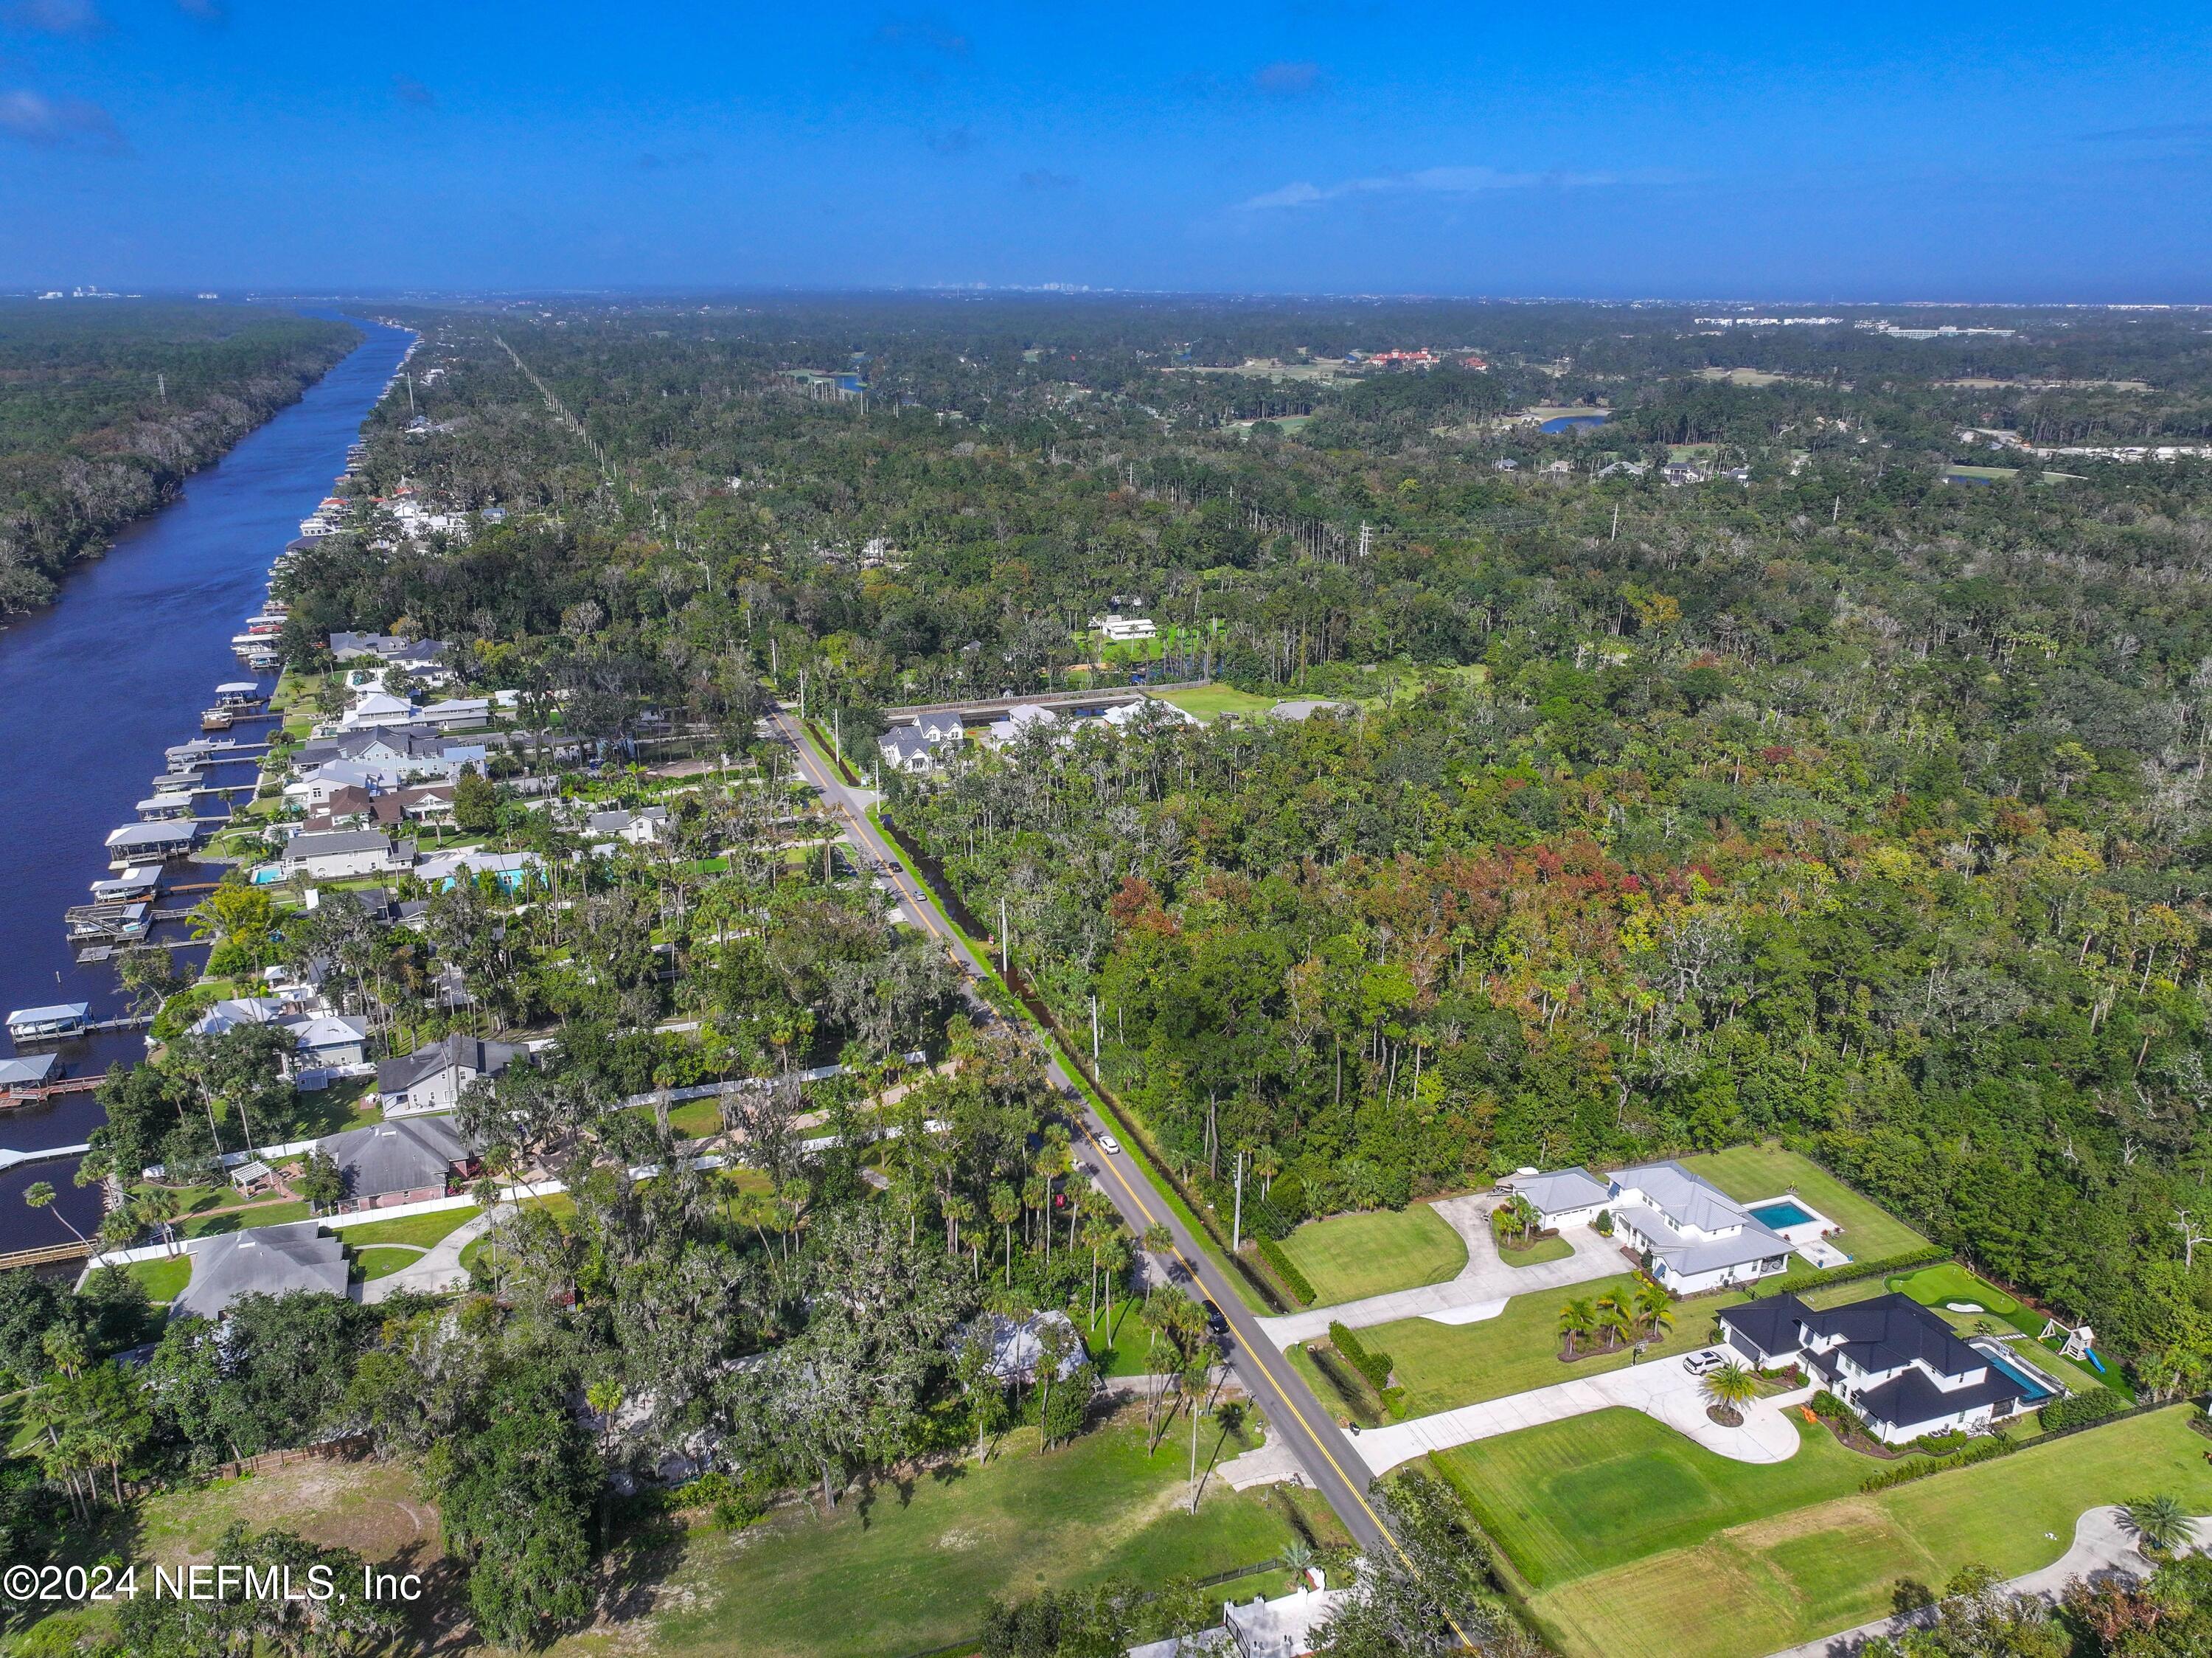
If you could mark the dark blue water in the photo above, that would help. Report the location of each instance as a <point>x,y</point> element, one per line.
<point>1568,422</point>
<point>96,688</point>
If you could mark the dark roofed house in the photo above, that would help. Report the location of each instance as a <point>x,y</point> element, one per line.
<point>432,1078</point>
<point>262,1260</point>
<point>905,749</point>
<point>409,1161</point>
<point>1894,1361</point>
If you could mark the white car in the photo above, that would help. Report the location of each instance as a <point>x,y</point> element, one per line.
<point>1111,1144</point>
<point>1703,1364</point>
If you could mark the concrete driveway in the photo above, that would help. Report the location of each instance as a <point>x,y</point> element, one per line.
<point>439,1269</point>
<point>1480,1292</point>
<point>1662,1389</point>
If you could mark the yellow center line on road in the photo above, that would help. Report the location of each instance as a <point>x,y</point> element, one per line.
<point>922,907</point>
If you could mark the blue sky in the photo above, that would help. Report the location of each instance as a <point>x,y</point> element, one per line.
<point>2030,152</point>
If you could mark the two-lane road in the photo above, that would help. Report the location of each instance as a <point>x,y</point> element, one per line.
<point>1330,1464</point>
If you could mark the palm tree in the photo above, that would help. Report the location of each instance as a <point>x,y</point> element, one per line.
<point>1005,1209</point>
<point>1298,1555</point>
<point>1577,1318</point>
<point>40,1194</point>
<point>159,1207</point>
<point>1729,1389</point>
<point>2160,1523</point>
<point>605,1396</point>
<point>1615,1320</point>
<point>1653,1305</point>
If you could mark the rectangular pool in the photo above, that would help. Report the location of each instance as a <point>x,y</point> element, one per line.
<point>2038,1385</point>
<point>1779,1214</point>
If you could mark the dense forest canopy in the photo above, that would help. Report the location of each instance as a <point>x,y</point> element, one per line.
<point>1844,802</point>
<point>1810,745</point>
<point>106,405</point>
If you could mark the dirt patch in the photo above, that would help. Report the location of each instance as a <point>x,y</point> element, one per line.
<point>1762,1534</point>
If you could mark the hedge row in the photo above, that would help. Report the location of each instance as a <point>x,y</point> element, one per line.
<point>1285,1268</point>
<point>1819,1278</point>
<point>1982,1450</point>
<point>1376,1367</point>
<point>2079,1409</point>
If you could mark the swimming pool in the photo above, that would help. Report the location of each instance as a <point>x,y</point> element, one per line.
<point>1781,1213</point>
<point>2038,1385</point>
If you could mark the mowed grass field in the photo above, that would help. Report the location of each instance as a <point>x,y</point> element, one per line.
<point>1749,1173</point>
<point>1210,702</point>
<point>914,1568</point>
<point>1795,1575</point>
<point>1580,1496</point>
<point>1347,1257</point>
<point>1444,1366</point>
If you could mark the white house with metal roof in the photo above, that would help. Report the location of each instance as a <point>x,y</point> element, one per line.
<point>1694,1236</point>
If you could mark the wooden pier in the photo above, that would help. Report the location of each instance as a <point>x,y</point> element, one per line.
<point>32,1094</point>
<point>75,1250</point>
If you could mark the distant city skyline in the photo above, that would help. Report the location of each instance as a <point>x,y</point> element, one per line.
<point>1601,151</point>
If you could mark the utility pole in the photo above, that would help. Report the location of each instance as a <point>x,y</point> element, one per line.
<point>1616,536</point>
<point>1237,1226</point>
<point>162,386</point>
<point>1002,939</point>
<point>1094,1034</point>
<point>802,696</point>
<point>837,733</point>
<point>1837,510</point>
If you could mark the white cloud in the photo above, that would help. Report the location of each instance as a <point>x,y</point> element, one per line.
<point>53,122</point>
<point>1439,181</point>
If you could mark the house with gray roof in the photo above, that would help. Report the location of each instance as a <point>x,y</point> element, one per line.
<point>1692,1235</point>
<point>262,1260</point>
<point>431,1078</point>
<point>643,827</point>
<point>1566,1197</point>
<point>1695,1235</point>
<point>335,854</point>
<point>408,1162</point>
<point>905,749</point>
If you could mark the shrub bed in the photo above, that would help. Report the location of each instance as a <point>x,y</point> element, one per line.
<point>1982,1450</point>
<point>1796,1284</point>
<point>1285,1268</point>
<point>2079,1409</point>
<point>1376,1367</point>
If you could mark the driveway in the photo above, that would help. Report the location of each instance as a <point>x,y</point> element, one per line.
<point>1480,1292</point>
<point>440,1267</point>
<point>2101,1548</point>
<point>1662,1389</point>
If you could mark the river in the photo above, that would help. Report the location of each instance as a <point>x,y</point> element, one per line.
<point>95,687</point>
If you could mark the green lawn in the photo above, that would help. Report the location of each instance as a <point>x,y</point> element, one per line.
<point>1347,1257</point>
<point>1749,1173</point>
<point>1211,701</point>
<point>1593,1492</point>
<point>912,1567</point>
<point>1936,1286</point>
<point>1776,1578</point>
<point>1444,1366</point>
<point>423,1229</point>
<point>384,1260</point>
<point>164,1280</point>
<point>275,1212</point>
<point>1544,1249</point>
